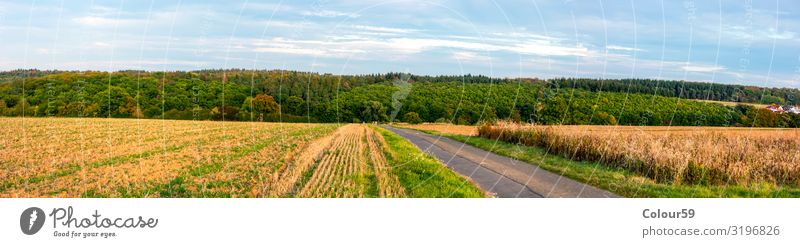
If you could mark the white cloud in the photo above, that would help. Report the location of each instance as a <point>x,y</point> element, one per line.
<point>467,56</point>
<point>292,50</point>
<point>157,62</point>
<point>306,47</point>
<point>101,10</point>
<point>785,35</point>
<point>622,48</point>
<point>416,45</point>
<point>702,68</point>
<point>270,7</point>
<point>96,21</point>
<point>43,51</point>
<point>384,29</point>
<point>287,24</point>
<point>101,44</point>
<point>753,34</point>
<point>347,45</point>
<point>525,35</point>
<point>330,14</point>
<point>550,50</point>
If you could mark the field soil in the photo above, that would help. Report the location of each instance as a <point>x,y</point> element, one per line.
<point>500,175</point>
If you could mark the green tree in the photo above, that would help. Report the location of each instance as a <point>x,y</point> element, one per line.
<point>374,111</point>
<point>412,118</point>
<point>762,117</point>
<point>91,110</point>
<point>226,113</point>
<point>25,108</point>
<point>114,101</point>
<point>769,99</point>
<point>602,118</point>
<point>295,105</point>
<point>261,105</point>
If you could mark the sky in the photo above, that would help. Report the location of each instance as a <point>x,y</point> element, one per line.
<point>735,42</point>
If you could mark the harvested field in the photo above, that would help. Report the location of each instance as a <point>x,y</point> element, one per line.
<point>353,166</point>
<point>467,130</point>
<point>143,158</point>
<point>74,157</point>
<point>728,103</point>
<point>675,155</point>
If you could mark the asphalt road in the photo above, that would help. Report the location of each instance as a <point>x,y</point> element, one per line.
<point>503,176</point>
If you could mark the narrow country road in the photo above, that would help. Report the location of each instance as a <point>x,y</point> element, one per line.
<point>503,176</point>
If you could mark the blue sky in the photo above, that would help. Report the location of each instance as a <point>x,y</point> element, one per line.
<point>741,42</point>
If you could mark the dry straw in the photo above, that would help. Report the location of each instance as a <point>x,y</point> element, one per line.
<point>679,155</point>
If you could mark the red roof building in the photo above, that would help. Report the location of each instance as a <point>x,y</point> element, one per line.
<point>776,108</point>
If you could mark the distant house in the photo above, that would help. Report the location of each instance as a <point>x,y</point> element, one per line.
<point>794,109</point>
<point>776,108</point>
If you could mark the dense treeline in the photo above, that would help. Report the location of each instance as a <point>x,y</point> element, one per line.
<point>25,73</point>
<point>469,103</point>
<point>291,96</point>
<point>686,90</point>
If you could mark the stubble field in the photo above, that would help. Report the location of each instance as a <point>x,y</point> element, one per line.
<point>466,130</point>
<point>73,157</point>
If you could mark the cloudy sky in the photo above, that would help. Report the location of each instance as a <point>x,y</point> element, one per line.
<point>742,42</point>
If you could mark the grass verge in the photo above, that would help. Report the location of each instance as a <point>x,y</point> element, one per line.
<point>422,175</point>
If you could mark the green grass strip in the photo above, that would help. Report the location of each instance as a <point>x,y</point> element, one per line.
<point>422,175</point>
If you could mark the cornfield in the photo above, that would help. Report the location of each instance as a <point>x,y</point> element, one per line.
<point>677,155</point>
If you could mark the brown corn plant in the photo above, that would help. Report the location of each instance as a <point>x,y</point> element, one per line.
<point>670,154</point>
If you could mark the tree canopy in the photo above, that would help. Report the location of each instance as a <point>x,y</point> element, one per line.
<point>277,95</point>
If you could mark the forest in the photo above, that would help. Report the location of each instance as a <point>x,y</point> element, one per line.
<point>292,96</point>
<point>686,90</point>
